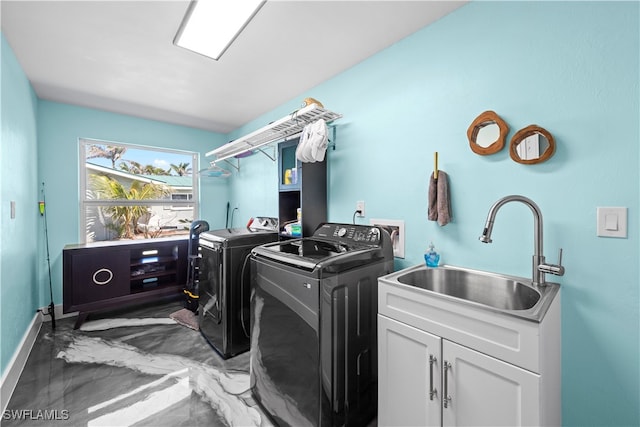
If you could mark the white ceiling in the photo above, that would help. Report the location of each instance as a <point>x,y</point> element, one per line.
<point>119,55</point>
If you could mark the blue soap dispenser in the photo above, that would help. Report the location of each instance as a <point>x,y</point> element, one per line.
<point>431,257</point>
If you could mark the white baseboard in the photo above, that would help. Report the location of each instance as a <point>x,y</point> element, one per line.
<point>14,369</point>
<point>16,365</point>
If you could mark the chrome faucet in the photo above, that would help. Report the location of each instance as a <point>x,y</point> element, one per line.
<point>539,266</point>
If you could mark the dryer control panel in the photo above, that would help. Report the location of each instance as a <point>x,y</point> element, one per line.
<point>362,234</point>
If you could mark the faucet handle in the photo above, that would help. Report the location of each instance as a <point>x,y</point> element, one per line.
<point>556,269</point>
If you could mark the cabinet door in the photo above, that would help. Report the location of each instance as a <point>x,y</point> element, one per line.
<point>98,275</point>
<point>405,376</point>
<point>289,167</point>
<point>487,392</point>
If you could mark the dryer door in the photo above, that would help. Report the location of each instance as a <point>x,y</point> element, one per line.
<point>210,286</point>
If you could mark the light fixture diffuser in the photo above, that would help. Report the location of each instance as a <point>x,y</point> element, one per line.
<point>210,26</point>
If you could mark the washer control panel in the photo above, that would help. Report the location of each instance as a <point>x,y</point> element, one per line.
<point>362,234</point>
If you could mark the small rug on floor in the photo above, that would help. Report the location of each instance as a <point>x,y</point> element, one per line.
<point>186,317</point>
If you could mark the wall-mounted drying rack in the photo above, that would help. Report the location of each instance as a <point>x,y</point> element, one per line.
<point>279,130</point>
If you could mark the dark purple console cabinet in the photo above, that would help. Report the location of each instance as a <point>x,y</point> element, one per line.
<point>107,275</point>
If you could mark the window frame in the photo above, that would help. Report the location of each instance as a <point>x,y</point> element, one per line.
<point>169,203</point>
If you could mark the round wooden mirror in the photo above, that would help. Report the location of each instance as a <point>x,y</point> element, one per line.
<point>532,145</point>
<point>487,133</point>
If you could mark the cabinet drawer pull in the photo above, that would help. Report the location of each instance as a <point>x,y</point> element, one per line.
<point>446,399</point>
<point>432,391</point>
<point>109,274</point>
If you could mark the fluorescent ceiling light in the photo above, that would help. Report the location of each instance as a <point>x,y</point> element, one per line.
<point>210,26</point>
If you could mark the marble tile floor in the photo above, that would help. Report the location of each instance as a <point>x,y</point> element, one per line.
<point>132,367</point>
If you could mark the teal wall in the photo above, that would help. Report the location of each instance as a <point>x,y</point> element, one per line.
<point>19,183</point>
<point>574,73</point>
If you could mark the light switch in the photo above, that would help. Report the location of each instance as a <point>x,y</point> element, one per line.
<point>612,222</point>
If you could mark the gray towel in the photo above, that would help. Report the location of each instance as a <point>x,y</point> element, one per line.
<point>432,213</point>
<point>439,200</point>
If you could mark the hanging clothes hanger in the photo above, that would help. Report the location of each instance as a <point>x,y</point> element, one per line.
<point>214,171</point>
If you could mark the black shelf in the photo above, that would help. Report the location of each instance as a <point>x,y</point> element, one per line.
<point>158,287</point>
<point>152,260</point>
<point>306,189</point>
<point>153,274</point>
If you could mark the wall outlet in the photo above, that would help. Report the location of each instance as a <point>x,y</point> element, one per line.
<point>396,229</point>
<point>360,207</point>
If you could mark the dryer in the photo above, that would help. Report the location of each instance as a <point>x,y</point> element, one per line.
<point>314,325</point>
<point>224,283</point>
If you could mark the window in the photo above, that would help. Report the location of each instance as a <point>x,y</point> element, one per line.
<point>135,192</point>
<point>180,196</point>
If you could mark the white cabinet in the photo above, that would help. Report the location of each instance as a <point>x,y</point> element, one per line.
<point>484,391</point>
<point>428,351</point>
<point>405,375</point>
<point>480,390</point>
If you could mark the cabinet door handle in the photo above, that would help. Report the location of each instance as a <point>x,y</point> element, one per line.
<point>432,391</point>
<point>446,399</point>
<point>106,280</point>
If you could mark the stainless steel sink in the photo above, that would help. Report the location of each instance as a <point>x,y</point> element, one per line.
<point>496,292</point>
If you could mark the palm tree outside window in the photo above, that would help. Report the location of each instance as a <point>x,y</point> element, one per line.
<point>135,192</point>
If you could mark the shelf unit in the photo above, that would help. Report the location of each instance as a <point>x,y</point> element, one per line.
<point>279,130</point>
<point>307,191</point>
<point>153,268</point>
<point>107,275</point>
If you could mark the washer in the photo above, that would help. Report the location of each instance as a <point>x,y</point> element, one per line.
<point>224,283</point>
<point>313,325</point>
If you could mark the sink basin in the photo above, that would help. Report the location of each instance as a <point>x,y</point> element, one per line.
<point>511,295</point>
<point>494,291</point>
